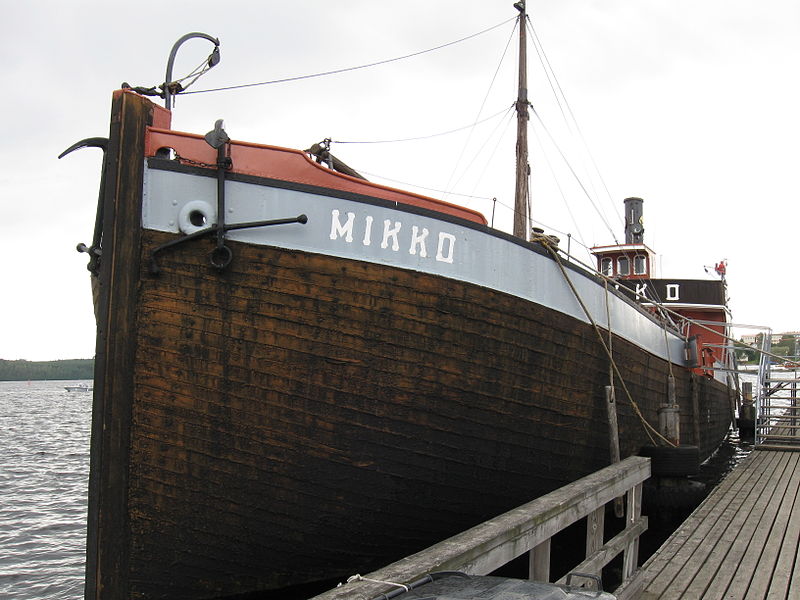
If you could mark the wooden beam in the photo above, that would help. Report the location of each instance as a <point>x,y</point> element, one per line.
<point>606,553</point>
<point>595,526</point>
<point>540,561</point>
<point>108,549</point>
<point>634,513</point>
<point>613,434</point>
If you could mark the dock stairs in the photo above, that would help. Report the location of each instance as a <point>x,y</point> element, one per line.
<point>777,424</point>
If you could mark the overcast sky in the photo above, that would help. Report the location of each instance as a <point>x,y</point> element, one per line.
<point>692,106</point>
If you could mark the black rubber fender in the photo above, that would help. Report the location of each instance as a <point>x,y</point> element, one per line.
<point>672,461</point>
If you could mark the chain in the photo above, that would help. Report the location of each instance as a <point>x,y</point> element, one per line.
<point>196,163</point>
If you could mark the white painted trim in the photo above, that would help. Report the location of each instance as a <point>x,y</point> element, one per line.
<point>391,236</point>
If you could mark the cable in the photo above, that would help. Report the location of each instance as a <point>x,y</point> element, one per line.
<point>558,185</point>
<point>549,70</point>
<point>483,103</point>
<point>422,137</point>
<point>422,187</point>
<point>509,119</point>
<point>575,175</point>
<point>355,68</point>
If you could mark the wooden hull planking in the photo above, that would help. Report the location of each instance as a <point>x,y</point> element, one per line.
<point>299,416</point>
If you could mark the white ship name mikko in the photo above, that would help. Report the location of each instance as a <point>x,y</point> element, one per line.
<point>392,235</point>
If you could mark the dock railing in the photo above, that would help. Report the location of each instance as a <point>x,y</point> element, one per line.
<point>776,420</point>
<point>529,529</point>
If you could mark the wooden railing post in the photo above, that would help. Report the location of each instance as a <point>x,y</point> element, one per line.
<point>613,433</point>
<point>634,513</point>
<point>595,529</point>
<point>540,561</point>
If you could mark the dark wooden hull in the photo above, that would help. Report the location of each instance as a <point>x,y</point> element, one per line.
<point>299,417</point>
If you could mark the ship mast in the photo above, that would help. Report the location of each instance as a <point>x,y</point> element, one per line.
<point>521,207</point>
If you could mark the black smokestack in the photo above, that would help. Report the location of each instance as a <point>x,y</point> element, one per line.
<point>634,223</point>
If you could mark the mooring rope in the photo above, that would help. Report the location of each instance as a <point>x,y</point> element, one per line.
<point>358,577</point>
<point>610,339</point>
<point>547,243</point>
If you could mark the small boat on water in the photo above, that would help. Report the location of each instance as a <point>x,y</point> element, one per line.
<point>302,375</point>
<point>81,387</point>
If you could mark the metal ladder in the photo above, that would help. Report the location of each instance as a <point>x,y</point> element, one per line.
<point>777,405</point>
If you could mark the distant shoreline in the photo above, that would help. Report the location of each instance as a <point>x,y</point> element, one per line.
<point>28,370</point>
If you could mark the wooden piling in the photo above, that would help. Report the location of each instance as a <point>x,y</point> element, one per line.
<point>613,433</point>
<point>747,412</point>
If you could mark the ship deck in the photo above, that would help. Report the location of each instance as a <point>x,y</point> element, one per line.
<point>741,542</point>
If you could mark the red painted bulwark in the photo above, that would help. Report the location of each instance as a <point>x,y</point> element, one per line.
<point>293,166</point>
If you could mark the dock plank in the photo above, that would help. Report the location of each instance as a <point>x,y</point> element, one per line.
<point>680,539</point>
<point>696,575</point>
<point>741,542</point>
<point>787,571</point>
<point>795,581</point>
<point>707,523</point>
<point>694,571</point>
<point>736,570</point>
<point>765,572</point>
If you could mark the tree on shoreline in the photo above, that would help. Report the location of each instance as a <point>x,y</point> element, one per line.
<point>22,370</point>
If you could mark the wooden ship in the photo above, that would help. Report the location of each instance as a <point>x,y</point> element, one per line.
<point>301,375</point>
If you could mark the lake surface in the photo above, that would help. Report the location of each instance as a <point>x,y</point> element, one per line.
<point>44,471</point>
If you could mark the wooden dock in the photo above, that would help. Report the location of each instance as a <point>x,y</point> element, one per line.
<point>740,543</point>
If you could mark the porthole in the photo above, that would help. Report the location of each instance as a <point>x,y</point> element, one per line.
<point>166,153</point>
<point>196,215</point>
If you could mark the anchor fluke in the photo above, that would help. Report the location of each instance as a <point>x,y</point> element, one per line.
<point>92,142</point>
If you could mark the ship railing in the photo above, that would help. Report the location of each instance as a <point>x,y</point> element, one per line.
<point>529,529</point>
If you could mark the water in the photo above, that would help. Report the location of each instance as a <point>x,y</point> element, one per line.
<point>44,470</point>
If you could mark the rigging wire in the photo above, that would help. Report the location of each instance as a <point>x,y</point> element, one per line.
<point>560,189</point>
<point>556,89</point>
<point>558,95</point>
<point>567,114</point>
<point>423,137</point>
<point>508,111</point>
<point>354,68</point>
<point>422,187</point>
<point>448,188</point>
<point>553,81</point>
<point>508,121</point>
<point>196,73</point>
<point>574,174</point>
<point>480,110</point>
